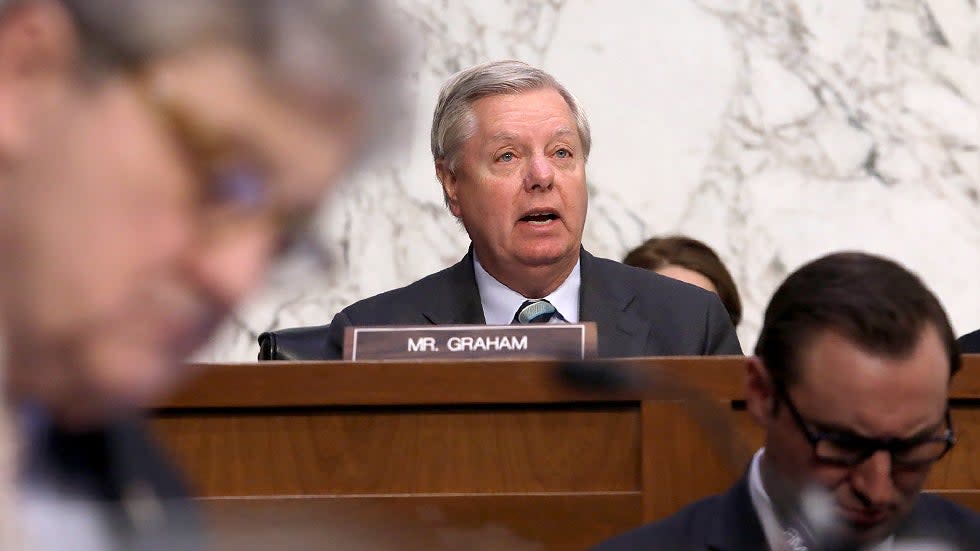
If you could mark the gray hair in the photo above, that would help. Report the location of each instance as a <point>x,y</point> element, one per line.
<point>453,121</point>
<point>326,48</point>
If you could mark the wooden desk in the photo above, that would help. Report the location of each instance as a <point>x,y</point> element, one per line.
<point>477,445</point>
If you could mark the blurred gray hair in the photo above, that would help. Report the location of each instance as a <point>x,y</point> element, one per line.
<point>453,121</point>
<point>326,48</point>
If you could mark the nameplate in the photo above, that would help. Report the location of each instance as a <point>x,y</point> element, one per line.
<point>430,342</point>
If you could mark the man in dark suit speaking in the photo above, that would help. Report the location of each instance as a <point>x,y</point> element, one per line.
<point>850,382</point>
<point>510,145</point>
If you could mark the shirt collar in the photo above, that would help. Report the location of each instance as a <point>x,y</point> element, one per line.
<point>763,505</point>
<point>501,302</point>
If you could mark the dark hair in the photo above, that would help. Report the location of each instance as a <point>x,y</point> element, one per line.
<point>658,252</point>
<point>872,301</point>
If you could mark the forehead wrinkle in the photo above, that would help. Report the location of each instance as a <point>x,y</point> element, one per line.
<point>503,136</point>
<point>508,136</point>
<point>563,131</point>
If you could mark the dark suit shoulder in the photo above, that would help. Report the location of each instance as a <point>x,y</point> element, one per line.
<point>684,319</point>
<point>934,517</point>
<point>685,530</point>
<point>970,343</point>
<point>410,298</point>
<point>407,305</point>
<point>658,289</point>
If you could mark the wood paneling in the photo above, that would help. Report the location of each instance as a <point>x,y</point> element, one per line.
<point>682,460</point>
<point>506,448</point>
<point>294,384</point>
<point>472,522</point>
<point>960,469</point>
<point>405,450</point>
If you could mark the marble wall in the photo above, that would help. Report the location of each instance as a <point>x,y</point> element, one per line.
<point>774,130</point>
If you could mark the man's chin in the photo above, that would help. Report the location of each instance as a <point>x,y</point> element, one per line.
<point>99,408</point>
<point>539,257</point>
<point>87,415</point>
<point>116,387</point>
<point>863,534</point>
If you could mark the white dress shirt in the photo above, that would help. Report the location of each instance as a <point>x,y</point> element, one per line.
<point>34,517</point>
<point>771,526</point>
<point>53,516</point>
<point>500,302</point>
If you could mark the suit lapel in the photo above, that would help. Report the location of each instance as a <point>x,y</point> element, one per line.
<point>621,331</point>
<point>736,526</point>
<point>922,523</point>
<point>458,302</point>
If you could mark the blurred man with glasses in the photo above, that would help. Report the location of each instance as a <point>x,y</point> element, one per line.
<point>155,158</point>
<point>850,381</point>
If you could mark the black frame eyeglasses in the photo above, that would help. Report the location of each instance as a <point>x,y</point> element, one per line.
<point>848,450</point>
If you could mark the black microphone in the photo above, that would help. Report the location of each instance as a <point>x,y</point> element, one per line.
<point>600,377</point>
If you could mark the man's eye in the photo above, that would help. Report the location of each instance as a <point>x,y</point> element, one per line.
<point>237,185</point>
<point>563,153</point>
<point>506,157</point>
<point>849,442</point>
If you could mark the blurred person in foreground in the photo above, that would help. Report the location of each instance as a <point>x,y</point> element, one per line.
<point>850,381</point>
<point>509,144</point>
<point>155,157</point>
<point>691,261</point>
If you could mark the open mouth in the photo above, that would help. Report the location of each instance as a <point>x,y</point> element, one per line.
<point>541,217</point>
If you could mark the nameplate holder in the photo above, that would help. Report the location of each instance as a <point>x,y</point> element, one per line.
<point>446,342</point>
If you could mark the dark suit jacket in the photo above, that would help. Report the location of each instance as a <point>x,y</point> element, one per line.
<point>727,522</point>
<point>121,473</point>
<point>970,343</point>
<point>638,312</point>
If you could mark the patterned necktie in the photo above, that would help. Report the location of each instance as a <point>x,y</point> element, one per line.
<point>534,311</point>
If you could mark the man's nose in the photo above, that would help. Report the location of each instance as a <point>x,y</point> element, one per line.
<point>540,173</point>
<point>228,268</point>
<point>872,480</point>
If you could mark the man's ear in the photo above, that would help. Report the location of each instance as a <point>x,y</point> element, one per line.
<point>38,46</point>
<point>450,186</point>
<point>760,398</point>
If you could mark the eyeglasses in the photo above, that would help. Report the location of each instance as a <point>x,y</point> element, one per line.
<point>234,189</point>
<point>848,449</point>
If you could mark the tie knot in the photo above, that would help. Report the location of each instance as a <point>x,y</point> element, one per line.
<point>535,311</point>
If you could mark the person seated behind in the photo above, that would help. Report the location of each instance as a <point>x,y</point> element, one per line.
<point>850,381</point>
<point>510,145</point>
<point>690,261</point>
<point>153,157</point>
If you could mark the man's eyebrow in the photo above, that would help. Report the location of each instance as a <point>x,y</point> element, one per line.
<point>928,431</point>
<point>503,136</point>
<point>840,430</point>
<point>831,428</point>
<point>506,135</point>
